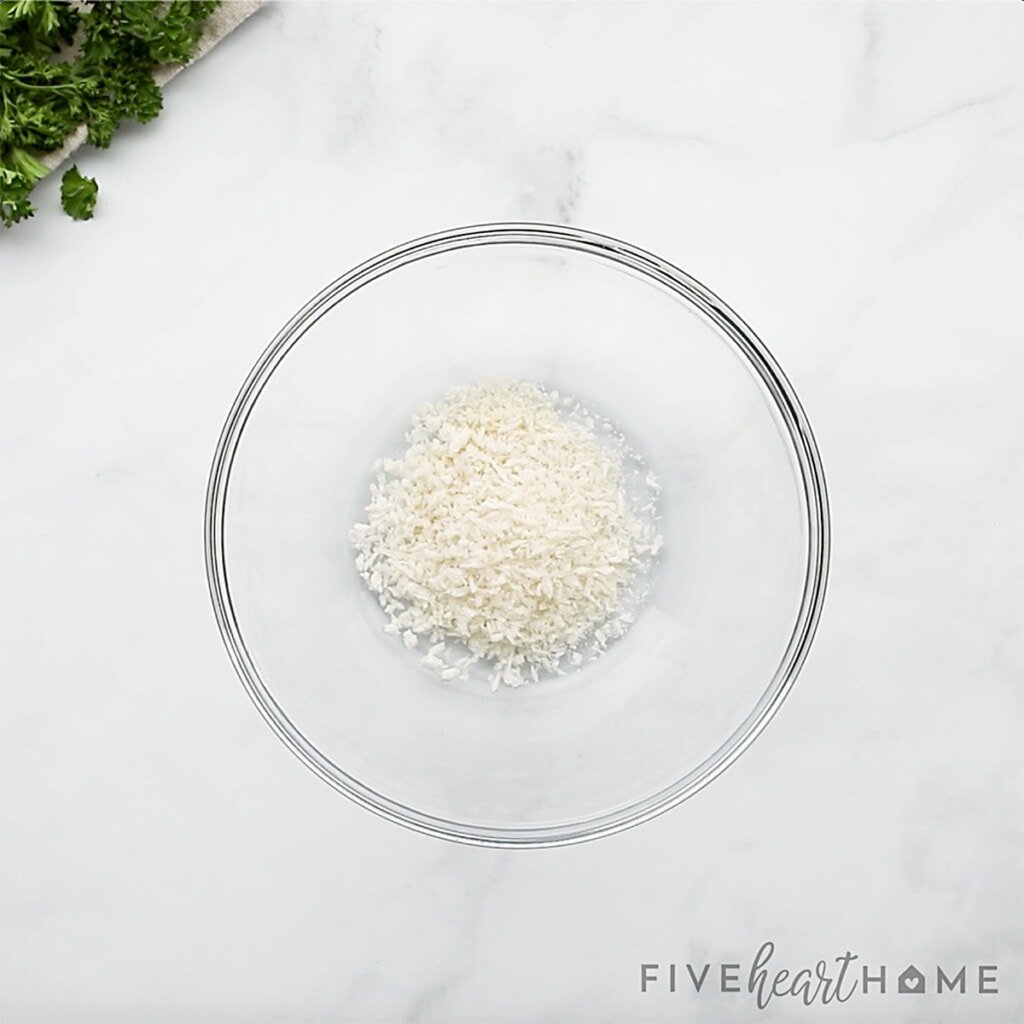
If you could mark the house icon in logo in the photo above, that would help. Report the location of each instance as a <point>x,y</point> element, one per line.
<point>911,980</point>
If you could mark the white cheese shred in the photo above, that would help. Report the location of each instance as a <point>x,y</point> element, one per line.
<point>504,534</point>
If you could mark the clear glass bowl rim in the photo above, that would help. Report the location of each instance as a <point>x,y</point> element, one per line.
<point>757,356</point>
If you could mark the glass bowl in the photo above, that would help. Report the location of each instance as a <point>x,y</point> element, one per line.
<point>734,598</point>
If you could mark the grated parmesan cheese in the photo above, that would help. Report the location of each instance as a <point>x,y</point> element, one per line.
<point>504,534</point>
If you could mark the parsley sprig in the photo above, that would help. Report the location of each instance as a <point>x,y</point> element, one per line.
<point>62,66</point>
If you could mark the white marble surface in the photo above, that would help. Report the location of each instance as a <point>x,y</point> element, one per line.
<point>849,178</point>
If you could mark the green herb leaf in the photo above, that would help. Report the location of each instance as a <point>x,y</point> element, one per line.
<point>62,66</point>
<point>78,194</point>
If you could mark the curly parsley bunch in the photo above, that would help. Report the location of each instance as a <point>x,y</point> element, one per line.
<point>64,65</point>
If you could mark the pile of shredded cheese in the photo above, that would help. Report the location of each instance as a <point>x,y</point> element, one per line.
<point>504,534</point>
